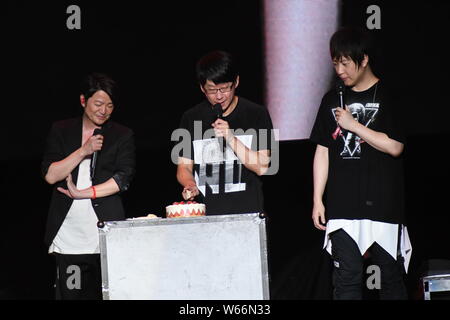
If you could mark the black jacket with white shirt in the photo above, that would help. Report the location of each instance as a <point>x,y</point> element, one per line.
<point>115,160</point>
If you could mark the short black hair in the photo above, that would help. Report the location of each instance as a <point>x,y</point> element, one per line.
<point>96,81</point>
<point>218,67</point>
<point>351,43</point>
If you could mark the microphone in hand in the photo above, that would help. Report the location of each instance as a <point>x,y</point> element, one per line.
<point>340,89</point>
<point>95,154</point>
<point>218,113</point>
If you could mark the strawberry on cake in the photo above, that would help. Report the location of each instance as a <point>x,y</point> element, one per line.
<point>185,209</point>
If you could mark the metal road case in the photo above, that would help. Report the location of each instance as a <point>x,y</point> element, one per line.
<point>196,258</point>
<point>436,279</point>
<point>435,283</point>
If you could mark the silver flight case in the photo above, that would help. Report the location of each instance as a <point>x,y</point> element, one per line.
<point>196,258</point>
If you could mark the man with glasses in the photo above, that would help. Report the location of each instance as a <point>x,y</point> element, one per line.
<point>223,165</point>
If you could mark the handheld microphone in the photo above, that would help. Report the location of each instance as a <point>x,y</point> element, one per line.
<point>218,112</point>
<point>95,154</point>
<point>340,88</point>
<point>217,108</point>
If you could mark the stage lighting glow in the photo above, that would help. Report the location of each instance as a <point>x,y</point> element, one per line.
<point>297,61</point>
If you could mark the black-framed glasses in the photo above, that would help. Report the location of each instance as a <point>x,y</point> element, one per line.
<point>222,90</point>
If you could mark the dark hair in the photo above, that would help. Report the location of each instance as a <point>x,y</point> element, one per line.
<point>99,81</point>
<point>218,67</point>
<point>351,43</point>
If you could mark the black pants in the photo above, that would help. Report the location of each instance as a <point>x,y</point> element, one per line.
<point>348,270</point>
<point>78,277</point>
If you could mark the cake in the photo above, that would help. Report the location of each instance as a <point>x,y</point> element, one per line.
<point>185,209</point>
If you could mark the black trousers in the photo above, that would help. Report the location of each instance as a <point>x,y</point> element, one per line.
<point>348,270</point>
<point>78,277</point>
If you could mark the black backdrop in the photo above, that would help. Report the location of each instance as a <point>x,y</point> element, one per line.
<point>151,50</point>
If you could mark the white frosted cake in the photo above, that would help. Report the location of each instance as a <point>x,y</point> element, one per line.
<point>185,209</point>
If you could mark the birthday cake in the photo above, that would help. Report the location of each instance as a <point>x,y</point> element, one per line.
<point>185,209</point>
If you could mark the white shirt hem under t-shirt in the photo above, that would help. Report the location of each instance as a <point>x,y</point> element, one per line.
<point>366,232</point>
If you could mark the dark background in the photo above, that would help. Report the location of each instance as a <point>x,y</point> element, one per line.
<point>151,50</point>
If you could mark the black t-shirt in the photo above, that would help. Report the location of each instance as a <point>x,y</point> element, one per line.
<point>363,183</point>
<point>226,185</point>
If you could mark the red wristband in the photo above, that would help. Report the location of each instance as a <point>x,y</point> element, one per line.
<point>94,196</point>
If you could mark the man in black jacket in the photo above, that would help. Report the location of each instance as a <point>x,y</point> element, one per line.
<point>88,169</point>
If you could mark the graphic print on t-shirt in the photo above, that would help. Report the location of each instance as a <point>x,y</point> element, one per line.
<point>364,115</point>
<point>209,156</point>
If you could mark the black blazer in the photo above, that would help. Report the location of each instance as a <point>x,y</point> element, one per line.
<point>116,160</point>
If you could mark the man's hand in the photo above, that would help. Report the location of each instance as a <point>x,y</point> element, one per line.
<point>345,119</point>
<point>190,192</point>
<point>318,216</point>
<point>72,191</point>
<point>222,129</point>
<point>92,144</point>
